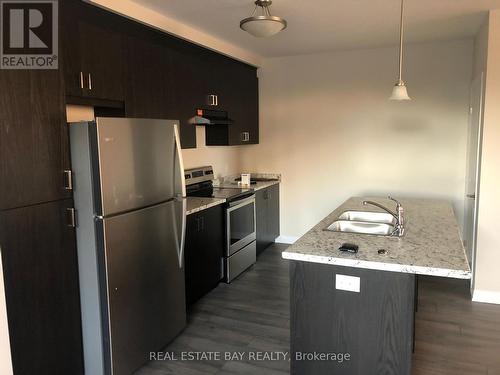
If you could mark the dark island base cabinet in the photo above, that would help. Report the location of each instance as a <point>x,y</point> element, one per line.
<point>203,252</point>
<point>374,326</point>
<point>41,287</point>
<point>267,210</point>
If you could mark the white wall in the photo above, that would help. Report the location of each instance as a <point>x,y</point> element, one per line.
<point>481,49</point>
<point>327,126</point>
<point>487,276</point>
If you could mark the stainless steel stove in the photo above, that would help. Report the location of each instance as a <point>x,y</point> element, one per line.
<point>240,249</point>
<point>199,183</point>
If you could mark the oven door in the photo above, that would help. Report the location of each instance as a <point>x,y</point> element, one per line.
<point>240,223</point>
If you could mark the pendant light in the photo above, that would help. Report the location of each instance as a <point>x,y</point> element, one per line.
<point>265,24</point>
<point>399,91</point>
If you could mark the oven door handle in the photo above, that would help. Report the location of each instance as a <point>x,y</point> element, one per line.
<point>240,203</point>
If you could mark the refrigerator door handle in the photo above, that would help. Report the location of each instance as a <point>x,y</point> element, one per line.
<point>179,181</point>
<point>182,239</point>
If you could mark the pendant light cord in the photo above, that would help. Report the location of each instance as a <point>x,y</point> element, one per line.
<point>401,30</point>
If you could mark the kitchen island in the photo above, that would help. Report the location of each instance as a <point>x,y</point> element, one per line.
<point>360,306</point>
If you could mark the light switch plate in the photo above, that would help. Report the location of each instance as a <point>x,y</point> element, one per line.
<point>347,283</point>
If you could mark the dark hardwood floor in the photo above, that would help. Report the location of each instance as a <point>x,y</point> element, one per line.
<point>453,335</point>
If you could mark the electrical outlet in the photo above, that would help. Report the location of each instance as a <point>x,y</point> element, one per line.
<point>347,283</point>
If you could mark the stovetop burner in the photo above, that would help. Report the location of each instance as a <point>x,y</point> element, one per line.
<point>199,183</point>
<point>223,193</point>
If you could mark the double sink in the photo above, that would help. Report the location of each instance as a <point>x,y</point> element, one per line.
<point>365,222</point>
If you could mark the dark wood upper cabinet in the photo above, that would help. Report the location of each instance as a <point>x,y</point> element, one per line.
<point>33,138</point>
<point>156,75</point>
<point>93,44</point>
<point>101,57</point>
<point>245,106</point>
<point>238,88</point>
<point>111,61</point>
<point>41,288</point>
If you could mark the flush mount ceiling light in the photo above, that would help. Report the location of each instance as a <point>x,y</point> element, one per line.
<point>399,91</point>
<point>265,24</point>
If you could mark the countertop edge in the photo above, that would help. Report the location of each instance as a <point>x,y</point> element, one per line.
<point>205,206</point>
<point>265,185</point>
<point>254,187</point>
<point>380,266</point>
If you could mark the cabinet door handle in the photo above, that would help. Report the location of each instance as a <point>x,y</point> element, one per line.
<point>90,81</point>
<point>213,100</point>
<point>68,180</point>
<point>71,217</point>
<point>81,80</point>
<point>245,136</point>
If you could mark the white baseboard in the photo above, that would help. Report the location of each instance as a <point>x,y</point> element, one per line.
<point>486,296</point>
<point>286,239</point>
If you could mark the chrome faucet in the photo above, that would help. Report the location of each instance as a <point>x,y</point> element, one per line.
<point>398,215</point>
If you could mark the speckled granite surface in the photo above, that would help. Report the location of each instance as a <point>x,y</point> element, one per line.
<point>255,187</point>
<point>229,181</point>
<point>196,204</point>
<point>431,246</point>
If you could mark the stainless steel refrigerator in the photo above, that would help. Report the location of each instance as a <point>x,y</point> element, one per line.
<point>129,193</point>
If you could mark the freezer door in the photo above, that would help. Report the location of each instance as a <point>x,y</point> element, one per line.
<point>138,163</point>
<point>145,282</point>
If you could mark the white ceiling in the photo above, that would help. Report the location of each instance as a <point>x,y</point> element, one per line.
<point>324,25</point>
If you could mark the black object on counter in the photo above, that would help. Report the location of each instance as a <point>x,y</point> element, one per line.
<point>349,247</point>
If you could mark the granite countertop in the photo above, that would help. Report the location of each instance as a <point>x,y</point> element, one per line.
<point>196,204</point>
<point>229,181</point>
<point>259,185</point>
<point>431,245</point>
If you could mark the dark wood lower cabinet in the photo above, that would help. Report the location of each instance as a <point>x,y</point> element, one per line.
<point>203,252</point>
<point>267,210</point>
<point>374,327</point>
<point>41,286</point>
